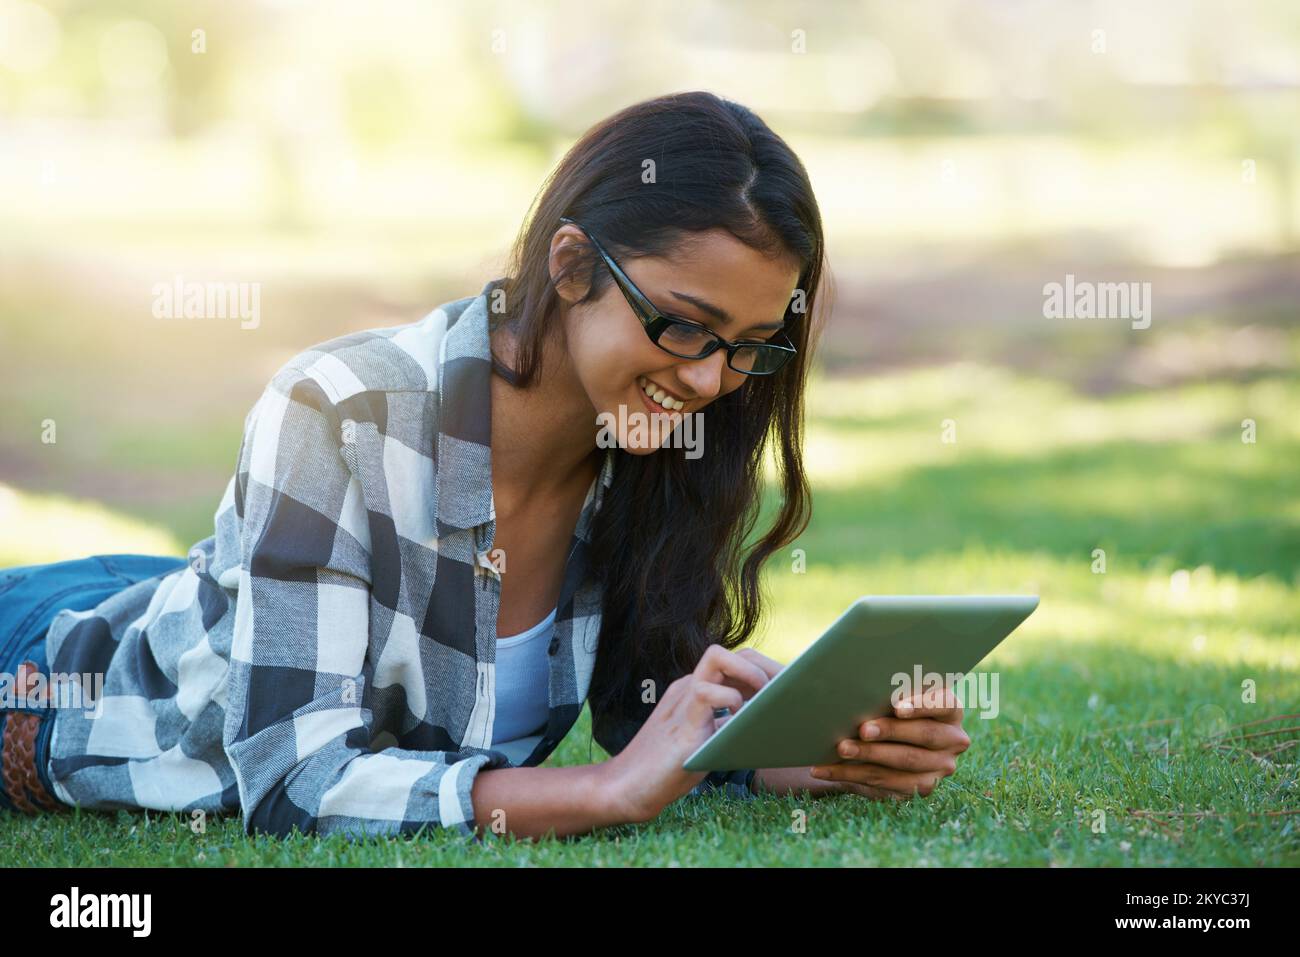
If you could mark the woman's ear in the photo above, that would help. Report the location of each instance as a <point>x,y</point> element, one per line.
<point>565,263</point>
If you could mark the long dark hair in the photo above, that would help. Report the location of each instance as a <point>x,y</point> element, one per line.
<point>671,541</point>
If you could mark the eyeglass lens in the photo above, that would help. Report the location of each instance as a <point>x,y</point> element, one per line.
<point>691,342</point>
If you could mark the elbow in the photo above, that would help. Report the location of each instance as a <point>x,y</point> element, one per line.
<point>275,815</point>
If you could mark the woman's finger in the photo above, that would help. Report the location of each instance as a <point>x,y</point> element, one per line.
<point>902,757</point>
<point>707,697</point>
<point>718,664</point>
<point>873,775</point>
<point>923,732</point>
<point>770,665</point>
<point>939,703</point>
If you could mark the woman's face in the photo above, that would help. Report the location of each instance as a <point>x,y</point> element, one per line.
<point>615,360</point>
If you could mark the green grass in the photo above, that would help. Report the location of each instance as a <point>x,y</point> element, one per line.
<point>1117,697</point>
<point>1023,795</point>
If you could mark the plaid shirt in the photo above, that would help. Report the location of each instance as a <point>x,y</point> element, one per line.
<point>327,657</point>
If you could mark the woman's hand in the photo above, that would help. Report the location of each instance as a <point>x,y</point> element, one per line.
<point>647,775</point>
<point>911,753</point>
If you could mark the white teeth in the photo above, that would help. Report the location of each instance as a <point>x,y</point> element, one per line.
<point>659,395</point>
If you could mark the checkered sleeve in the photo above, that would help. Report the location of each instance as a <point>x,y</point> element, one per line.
<point>296,731</point>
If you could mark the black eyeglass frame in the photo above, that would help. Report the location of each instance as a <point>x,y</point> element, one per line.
<point>656,322</point>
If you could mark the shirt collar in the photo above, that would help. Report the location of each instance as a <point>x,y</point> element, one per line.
<point>465,426</point>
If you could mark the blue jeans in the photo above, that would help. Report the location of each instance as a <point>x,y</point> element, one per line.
<point>30,597</point>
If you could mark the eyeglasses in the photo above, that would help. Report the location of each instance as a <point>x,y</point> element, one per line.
<point>687,339</point>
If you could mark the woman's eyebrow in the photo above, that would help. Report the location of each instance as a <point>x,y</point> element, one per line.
<point>718,312</point>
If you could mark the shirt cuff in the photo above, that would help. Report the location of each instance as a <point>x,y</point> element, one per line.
<point>735,784</point>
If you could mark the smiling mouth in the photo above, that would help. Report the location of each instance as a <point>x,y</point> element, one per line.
<point>659,395</point>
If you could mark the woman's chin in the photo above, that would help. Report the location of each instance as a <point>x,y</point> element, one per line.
<point>635,449</point>
<point>635,430</point>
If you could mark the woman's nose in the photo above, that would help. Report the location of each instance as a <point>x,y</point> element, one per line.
<point>704,376</point>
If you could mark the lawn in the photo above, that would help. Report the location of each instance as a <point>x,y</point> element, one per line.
<point>1125,736</point>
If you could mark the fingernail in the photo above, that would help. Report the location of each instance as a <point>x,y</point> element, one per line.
<point>846,748</point>
<point>873,730</point>
<point>904,707</point>
<point>818,773</point>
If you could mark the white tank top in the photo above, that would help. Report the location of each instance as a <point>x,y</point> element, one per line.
<point>522,681</point>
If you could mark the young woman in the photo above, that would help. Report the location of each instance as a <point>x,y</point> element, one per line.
<point>443,538</point>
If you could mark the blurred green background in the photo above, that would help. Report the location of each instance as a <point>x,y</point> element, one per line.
<point>365,162</point>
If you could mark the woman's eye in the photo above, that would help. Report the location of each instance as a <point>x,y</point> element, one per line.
<point>684,332</point>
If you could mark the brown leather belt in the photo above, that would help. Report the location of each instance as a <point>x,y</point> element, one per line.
<point>22,782</point>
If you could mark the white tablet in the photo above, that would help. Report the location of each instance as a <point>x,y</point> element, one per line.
<point>877,649</point>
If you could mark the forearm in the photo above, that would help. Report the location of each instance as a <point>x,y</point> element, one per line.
<point>534,802</point>
<point>782,781</point>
